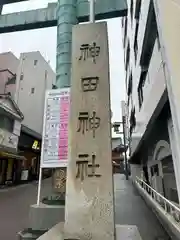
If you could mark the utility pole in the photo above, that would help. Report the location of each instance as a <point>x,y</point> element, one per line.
<point>125,148</point>
<point>124,116</point>
<point>92,11</point>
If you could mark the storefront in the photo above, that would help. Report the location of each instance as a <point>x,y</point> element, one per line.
<point>10,126</point>
<point>30,148</point>
<point>10,168</point>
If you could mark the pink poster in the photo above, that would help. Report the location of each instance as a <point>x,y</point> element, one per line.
<point>63,127</point>
<point>55,128</point>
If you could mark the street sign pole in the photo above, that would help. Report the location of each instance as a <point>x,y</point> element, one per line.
<point>125,150</point>
<point>39,186</point>
<point>124,116</point>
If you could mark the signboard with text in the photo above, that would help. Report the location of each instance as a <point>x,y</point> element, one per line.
<point>54,152</point>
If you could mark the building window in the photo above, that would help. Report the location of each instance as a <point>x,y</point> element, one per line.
<point>46,74</point>
<point>127,56</point>
<point>32,90</point>
<point>150,37</point>
<point>135,40</point>
<point>54,86</point>
<point>6,123</point>
<point>122,22</point>
<point>131,9</point>
<point>132,120</point>
<point>137,9</point>
<point>140,95</point>
<point>125,31</point>
<point>129,90</point>
<point>126,79</point>
<point>141,86</point>
<point>158,42</point>
<point>35,62</point>
<point>22,76</point>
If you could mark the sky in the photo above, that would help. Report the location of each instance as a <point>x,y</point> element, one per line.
<point>34,40</point>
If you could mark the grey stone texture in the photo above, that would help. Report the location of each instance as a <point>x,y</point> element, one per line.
<point>89,210</point>
<point>123,232</point>
<point>44,217</point>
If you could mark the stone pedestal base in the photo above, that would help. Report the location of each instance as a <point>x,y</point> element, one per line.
<point>123,232</point>
<point>28,234</point>
<point>44,217</point>
<point>41,219</point>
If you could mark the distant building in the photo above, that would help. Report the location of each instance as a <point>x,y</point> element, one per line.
<point>25,80</point>
<point>34,77</point>
<point>153,148</point>
<point>117,155</point>
<point>8,68</point>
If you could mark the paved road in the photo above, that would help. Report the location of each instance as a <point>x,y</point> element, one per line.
<point>132,210</point>
<point>14,208</point>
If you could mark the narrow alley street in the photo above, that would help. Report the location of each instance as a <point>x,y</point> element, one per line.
<point>14,207</point>
<point>132,210</point>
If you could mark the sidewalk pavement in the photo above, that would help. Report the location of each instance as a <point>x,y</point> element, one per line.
<point>132,210</point>
<point>6,188</point>
<point>14,207</point>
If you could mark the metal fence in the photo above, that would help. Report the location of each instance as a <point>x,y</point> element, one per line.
<point>170,208</point>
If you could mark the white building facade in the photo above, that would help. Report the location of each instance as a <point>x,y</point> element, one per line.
<point>26,80</point>
<point>152,149</point>
<point>34,77</point>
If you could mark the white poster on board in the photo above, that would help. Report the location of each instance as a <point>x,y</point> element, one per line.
<point>54,152</point>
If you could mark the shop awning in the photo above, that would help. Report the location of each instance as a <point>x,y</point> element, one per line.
<point>12,155</point>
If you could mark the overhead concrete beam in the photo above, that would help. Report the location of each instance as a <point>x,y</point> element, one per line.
<point>27,20</point>
<point>47,17</point>
<point>11,1</point>
<point>104,9</point>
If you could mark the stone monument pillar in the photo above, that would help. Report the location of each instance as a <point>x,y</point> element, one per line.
<point>89,209</point>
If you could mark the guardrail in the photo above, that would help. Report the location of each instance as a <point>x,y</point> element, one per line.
<point>171,209</point>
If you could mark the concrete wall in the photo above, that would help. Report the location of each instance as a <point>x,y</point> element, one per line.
<point>4,75</point>
<point>34,76</point>
<point>168,16</point>
<point>37,75</point>
<point>155,81</point>
<point>9,61</point>
<point>11,88</point>
<point>8,67</point>
<point>135,171</point>
<point>159,132</point>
